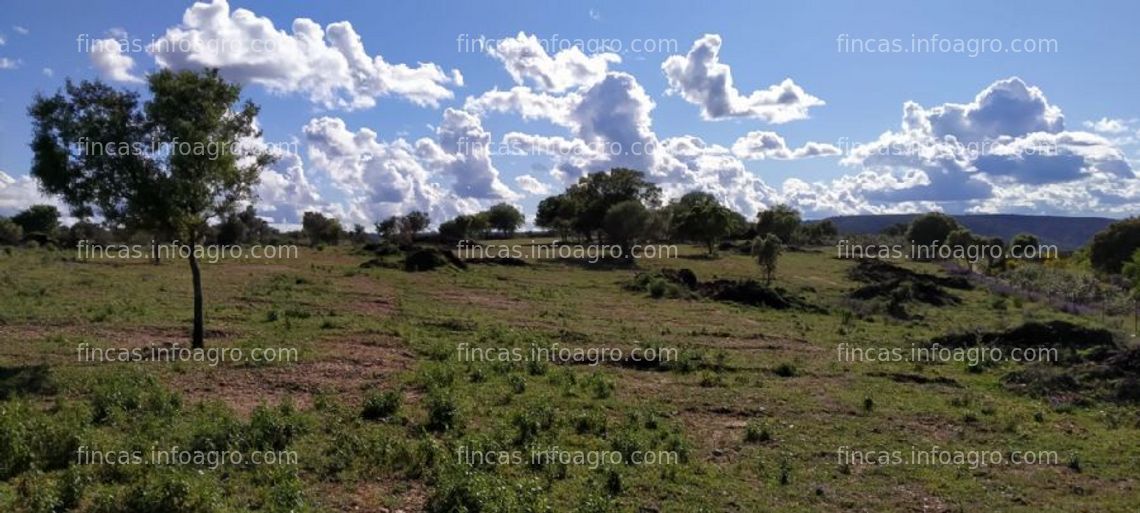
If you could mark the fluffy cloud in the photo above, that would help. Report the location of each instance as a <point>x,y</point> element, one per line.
<point>527,61</point>
<point>1109,126</point>
<point>1009,146</point>
<point>17,194</point>
<point>532,185</point>
<point>769,145</point>
<point>373,178</point>
<point>610,123</point>
<point>112,64</point>
<point>463,151</point>
<point>701,79</point>
<point>6,63</point>
<point>328,64</point>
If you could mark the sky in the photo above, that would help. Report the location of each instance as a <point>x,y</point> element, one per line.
<point>378,108</point>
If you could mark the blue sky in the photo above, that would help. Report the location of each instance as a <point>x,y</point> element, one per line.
<point>386,143</point>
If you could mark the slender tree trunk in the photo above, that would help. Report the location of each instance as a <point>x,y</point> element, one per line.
<point>154,251</point>
<point>197,341</point>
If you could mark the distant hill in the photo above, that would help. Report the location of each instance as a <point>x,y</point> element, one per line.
<point>1068,233</point>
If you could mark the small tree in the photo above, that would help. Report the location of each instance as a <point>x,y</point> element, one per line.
<point>38,219</point>
<point>698,216</point>
<point>10,232</point>
<point>780,220</point>
<point>505,218</point>
<point>767,249</point>
<point>178,190</point>
<point>320,229</point>
<point>929,228</point>
<point>557,213</point>
<point>414,223</point>
<point>961,240</point>
<point>625,223</point>
<point>388,228</point>
<point>457,229</point>
<point>1023,243</point>
<point>1114,245</point>
<point>358,234</point>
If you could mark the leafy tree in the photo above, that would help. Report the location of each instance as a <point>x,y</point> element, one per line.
<point>818,232</point>
<point>1023,243</point>
<point>38,219</point>
<point>596,193</point>
<point>698,216</point>
<point>557,213</point>
<point>412,224</point>
<point>388,228</point>
<point>931,227</point>
<point>780,220</point>
<point>480,224</point>
<point>10,232</point>
<point>1114,245</point>
<point>995,258</point>
<point>625,224</point>
<point>767,249</point>
<point>1131,271</point>
<point>895,230</point>
<point>243,227</point>
<point>93,146</point>
<point>358,234</point>
<point>505,218</point>
<point>961,240</point>
<point>231,231</point>
<point>741,228</point>
<point>456,229</point>
<point>320,229</point>
<point>178,190</point>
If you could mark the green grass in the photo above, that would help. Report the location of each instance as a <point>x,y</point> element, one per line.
<point>381,404</point>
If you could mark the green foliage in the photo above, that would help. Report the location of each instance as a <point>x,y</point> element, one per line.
<point>557,213</point>
<point>10,232</point>
<point>625,223</point>
<point>698,216</point>
<point>756,433</point>
<point>1021,243</point>
<point>38,219</point>
<point>780,220</point>
<point>931,227</point>
<point>320,229</point>
<point>817,233</point>
<point>767,249</point>
<point>442,409</point>
<point>1114,245</point>
<point>595,194</point>
<point>505,218</point>
<point>379,406</point>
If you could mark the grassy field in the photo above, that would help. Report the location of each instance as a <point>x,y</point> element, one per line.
<point>380,404</point>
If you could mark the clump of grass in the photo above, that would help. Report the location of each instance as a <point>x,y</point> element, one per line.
<point>590,422</point>
<point>443,412</point>
<point>517,383</point>
<point>756,433</point>
<point>785,370</point>
<point>600,387</point>
<point>379,406</point>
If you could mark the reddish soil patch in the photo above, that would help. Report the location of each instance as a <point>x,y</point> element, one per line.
<point>346,368</point>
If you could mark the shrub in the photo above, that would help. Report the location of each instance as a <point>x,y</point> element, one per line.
<point>10,232</point>
<point>785,370</point>
<point>275,428</point>
<point>381,405</point>
<point>756,432</point>
<point>443,413</point>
